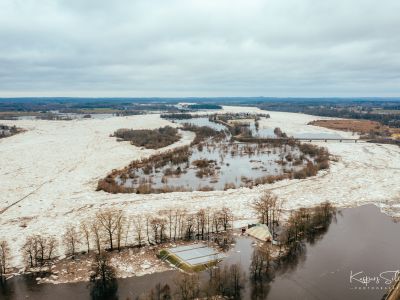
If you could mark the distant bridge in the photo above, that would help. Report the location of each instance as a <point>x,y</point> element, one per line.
<point>326,140</point>
<point>269,140</point>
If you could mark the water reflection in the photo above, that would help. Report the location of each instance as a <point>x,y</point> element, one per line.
<point>103,282</point>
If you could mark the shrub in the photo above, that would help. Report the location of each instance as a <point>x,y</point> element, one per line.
<point>201,163</point>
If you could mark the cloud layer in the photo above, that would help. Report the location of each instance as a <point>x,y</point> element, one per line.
<point>199,48</point>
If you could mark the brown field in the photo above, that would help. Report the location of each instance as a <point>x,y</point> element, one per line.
<point>5,115</point>
<point>360,126</point>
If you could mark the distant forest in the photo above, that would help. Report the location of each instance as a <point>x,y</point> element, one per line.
<point>384,110</point>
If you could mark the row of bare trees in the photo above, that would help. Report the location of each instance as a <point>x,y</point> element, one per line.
<point>114,230</point>
<point>38,250</point>
<point>307,224</point>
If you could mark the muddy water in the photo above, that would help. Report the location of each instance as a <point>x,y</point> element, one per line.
<point>362,239</point>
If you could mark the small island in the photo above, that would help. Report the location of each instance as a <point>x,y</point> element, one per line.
<point>150,139</point>
<point>7,131</point>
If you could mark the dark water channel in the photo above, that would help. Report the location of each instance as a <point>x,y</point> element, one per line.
<point>360,240</point>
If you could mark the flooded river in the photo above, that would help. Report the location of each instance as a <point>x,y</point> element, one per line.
<point>218,165</point>
<point>362,243</point>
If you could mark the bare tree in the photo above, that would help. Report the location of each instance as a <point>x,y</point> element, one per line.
<point>4,253</point>
<point>226,217</point>
<point>42,245</point>
<point>170,215</point>
<point>277,214</point>
<point>120,230</point>
<point>51,247</point>
<point>189,225</point>
<point>209,222</point>
<point>216,221</point>
<point>71,239</point>
<point>163,225</point>
<point>30,250</point>
<point>148,220</point>
<point>156,225</point>
<point>170,218</point>
<point>176,223</point>
<point>200,223</point>
<point>182,223</point>
<point>138,224</point>
<point>85,232</point>
<point>109,220</point>
<point>96,235</point>
<point>264,207</point>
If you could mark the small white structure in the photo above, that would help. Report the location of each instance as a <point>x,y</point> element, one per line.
<point>261,232</point>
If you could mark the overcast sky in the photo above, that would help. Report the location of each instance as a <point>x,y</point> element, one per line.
<point>199,48</point>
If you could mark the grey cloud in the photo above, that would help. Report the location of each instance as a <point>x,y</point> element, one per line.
<point>199,48</point>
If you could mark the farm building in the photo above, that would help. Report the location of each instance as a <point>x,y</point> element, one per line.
<point>260,232</point>
<point>193,257</point>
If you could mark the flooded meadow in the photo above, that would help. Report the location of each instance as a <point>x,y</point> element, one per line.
<point>215,161</point>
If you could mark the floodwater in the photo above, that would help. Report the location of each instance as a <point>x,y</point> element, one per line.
<point>201,122</point>
<point>262,131</point>
<point>360,240</point>
<point>232,164</point>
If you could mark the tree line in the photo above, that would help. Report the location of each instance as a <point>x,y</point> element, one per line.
<point>113,230</point>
